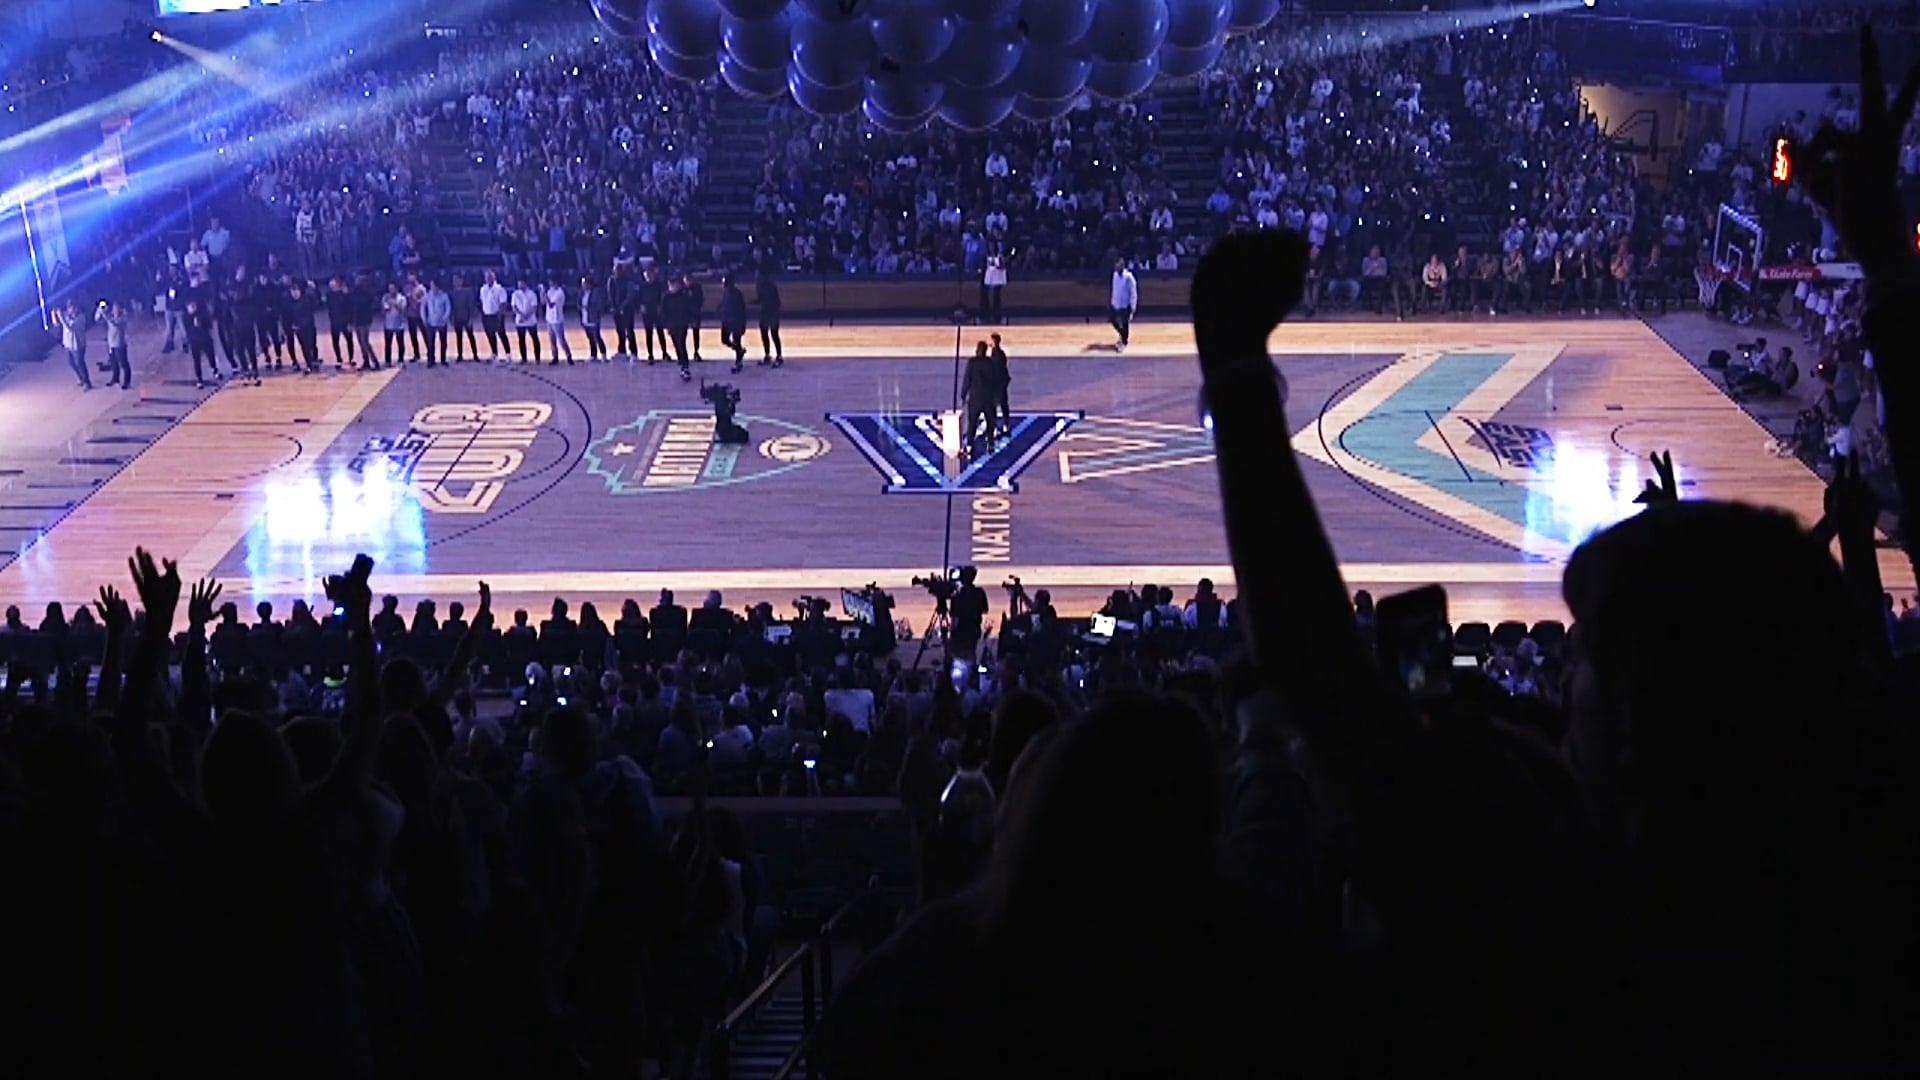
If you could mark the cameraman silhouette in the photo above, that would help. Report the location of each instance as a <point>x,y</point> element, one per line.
<point>969,610</point>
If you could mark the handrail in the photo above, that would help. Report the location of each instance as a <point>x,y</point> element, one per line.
<point>814,960</point>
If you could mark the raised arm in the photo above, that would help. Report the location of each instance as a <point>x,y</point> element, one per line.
<point>456,669</point>
<point>1855,176</point>
<point>116,617</point>
<point>363,716</point>
<point>1299,625</point>
<point>158,586</point>
<point>196,692</point>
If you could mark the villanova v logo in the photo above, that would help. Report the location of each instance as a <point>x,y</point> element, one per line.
<point>921,452</point>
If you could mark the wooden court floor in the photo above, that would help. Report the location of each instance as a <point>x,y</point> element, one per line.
<point>1474,455</point>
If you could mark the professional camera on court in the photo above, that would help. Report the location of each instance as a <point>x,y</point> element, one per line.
<point>725,400</point>
<point>811,607</point>
<point>940,586</point>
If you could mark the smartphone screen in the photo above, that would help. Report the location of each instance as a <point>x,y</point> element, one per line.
<point>1416,640</point>
<point>958,673</point>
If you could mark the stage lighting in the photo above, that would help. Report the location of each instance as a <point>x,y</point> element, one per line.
<point>155,36</point>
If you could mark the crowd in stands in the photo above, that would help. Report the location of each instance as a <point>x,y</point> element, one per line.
<point>592,153</point>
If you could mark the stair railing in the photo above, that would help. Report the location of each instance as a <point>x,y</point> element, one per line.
<point>813,963</point>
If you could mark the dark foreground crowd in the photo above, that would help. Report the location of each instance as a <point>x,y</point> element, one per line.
<point>1300,860</point>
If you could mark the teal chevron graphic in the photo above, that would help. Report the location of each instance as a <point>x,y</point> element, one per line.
<point>1390,436</point>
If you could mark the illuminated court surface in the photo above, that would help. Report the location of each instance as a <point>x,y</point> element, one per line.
<point>1474,455</point>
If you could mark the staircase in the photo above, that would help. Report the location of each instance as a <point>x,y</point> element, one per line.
<point>764,1044</point>
<point>1471,168</point>
<point>1188,152</point>
<point>468,246</point>
<point>730,174</point>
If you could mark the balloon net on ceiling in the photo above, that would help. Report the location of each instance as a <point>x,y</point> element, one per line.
<point>971,63</point>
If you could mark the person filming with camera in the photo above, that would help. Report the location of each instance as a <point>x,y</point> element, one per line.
<point>969,609</point>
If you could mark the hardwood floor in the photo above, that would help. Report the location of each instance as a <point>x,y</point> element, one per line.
<point>1474,455</point>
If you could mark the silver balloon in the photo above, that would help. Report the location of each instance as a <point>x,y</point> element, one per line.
<point>1178,63</point>
<point>1050,74</point>
<point>688,28</point>
<point>1194,24</point>
<point>752,82</point>
<point>622,18</point>
<point>1055,24</point>
<point>975,110</point>
<point>831,54</point>
<point>824,100</point>
<point>690,68</point>
<point>835,10</point>
<point>761,44</point>
<point>983,54</point>
<point>897,125</point>
<point>752,9</point>
<point>903,92</point>
<point>912,32</point>
<point>982,10</point>
<point>1033,108</point>
<point>1250,15</point>
<point>1129,30</point>
<point>1117,81</point>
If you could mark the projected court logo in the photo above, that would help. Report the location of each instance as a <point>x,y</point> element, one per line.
<point>920,453</point>
<point>1514,445</point>
<point>666,450</point>
<point>457,456</point>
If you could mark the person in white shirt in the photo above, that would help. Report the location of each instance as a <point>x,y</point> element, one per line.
<point>997,164</point>
<point>556,299</point>
<point>196,263</point>
<point>1122,301</point>
<point>853,702</point>
<point>493,302</point>
<point>526,320</point>
<point>993,282</point>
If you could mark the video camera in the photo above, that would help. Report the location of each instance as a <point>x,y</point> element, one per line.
<point>811,607</point>
<point>719,395</point>
<point>940,586</point>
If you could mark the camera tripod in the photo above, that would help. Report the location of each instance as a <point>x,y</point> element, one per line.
<point>940,623</point>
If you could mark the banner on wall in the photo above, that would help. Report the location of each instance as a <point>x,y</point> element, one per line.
<point>113,154</point>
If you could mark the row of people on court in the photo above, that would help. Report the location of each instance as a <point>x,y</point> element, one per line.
<point>272,318</point>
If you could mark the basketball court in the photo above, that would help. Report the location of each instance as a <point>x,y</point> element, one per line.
<point>1477,455</point>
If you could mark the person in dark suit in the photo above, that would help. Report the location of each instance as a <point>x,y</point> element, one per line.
<point>766,293</point>
<point>593,307</point>
<point>676,317</point>
<point>652,294</point>
<point>303,331</point>
<point>1003,377</point>
<point>519,643</point>
<point>669,624</point>
<point>623,297</point>
<point>200,341</point>
<point>559,637</point>
<point>697,307</point>
<point>979,390</point>
<point>733,320</point>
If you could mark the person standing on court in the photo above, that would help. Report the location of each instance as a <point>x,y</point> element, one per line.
<point>73,325</point>
<point>200,341</point>
<point>120,372</point>
<point>1122,302</point>
<point>593,307</point>
<point>652,293</point>
<point>248,308</point>
<point>676,314</point>
<point>733,320</point>
<point>393,321</point>
<point>493,319</point>
<point>301,311</point>
<point>526,320</point>
<point>416,293</point>
<point>993,282</point>
<point>1002,378</point>
<point>437,312</point>
<point>697,305</point>
<point>556,304</point>
<point>461,300</point>
<point>979,389</point>
<point>623,298</point>
<point>766,294</point>
<point>366,306</point>
<point>340,321</point>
